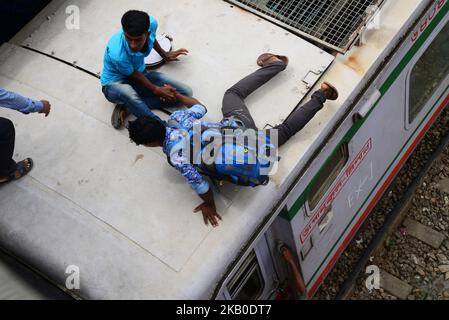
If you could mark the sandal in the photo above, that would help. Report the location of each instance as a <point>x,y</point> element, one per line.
<point>333,92</point>
<point>119,116</point>
<point>22,169</point>
<point>264,58</point>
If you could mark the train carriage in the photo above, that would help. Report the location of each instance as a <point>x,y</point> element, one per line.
<point>123,217</point>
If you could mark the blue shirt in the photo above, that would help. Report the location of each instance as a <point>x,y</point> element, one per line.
<point>176,142</point>
<point>120,62</point>
<point>17,102</point>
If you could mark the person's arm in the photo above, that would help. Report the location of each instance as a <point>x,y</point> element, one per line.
<point>166,92</point>
<point>197,109</point>
<point>22,104</point>
<point>201,187</point>
<point>291,261</point>
<point>169,56</point>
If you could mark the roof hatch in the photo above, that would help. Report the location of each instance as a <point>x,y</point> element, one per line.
<point>335,24</point>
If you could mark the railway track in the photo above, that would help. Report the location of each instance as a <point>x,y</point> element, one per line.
<point>402,251</point>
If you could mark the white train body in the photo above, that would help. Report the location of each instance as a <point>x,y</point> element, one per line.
<point>126,223</point>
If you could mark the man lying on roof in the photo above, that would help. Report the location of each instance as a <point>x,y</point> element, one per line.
<point>124,78</point>
<point>232,159</point>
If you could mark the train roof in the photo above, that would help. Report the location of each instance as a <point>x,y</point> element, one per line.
<point>119,212</point>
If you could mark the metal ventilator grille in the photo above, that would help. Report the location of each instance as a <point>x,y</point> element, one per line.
<point>333,23</point>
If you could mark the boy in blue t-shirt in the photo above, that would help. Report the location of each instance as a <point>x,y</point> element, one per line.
<point>124,78</point>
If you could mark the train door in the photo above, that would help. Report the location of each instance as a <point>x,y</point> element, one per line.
<point>320,223</point>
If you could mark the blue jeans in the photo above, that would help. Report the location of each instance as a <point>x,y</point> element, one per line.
<point>138,99</point>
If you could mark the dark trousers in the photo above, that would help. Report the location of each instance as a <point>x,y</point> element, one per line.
<point>7,139</point>
<point>234,103</point>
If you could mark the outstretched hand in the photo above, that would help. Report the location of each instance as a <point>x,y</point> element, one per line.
<point>210,214</point>
<point>174,55</point>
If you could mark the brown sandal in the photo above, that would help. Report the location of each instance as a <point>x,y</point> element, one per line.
<point>334,92</point>
<point>119,116</point>
<point>23,168</point>
<point>264,58</point>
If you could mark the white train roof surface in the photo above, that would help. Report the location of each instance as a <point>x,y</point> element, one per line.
<point>120,212</point>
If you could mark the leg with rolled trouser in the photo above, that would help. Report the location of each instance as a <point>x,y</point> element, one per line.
<point>234,98</point>
<point>300,117</point>
<point>7,141</point>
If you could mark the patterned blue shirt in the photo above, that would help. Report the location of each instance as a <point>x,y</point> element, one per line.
<point>176,141</point>
<point>19,103</point>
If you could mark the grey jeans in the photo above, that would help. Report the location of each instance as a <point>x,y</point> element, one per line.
<point>234,103</point>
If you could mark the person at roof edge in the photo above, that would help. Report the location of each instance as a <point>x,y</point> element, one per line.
<point>11,170</point>
<point>125,80</point>
<point>177,136</point>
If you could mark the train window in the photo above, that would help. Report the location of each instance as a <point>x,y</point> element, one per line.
<point>428,73</point>
<point>248,283</point>
<point>327,176</point>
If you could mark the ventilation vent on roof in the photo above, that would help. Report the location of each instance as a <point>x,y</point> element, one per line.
<point>334,24</point>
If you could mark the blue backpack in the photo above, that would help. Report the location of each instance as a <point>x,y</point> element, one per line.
<point>237,163</point>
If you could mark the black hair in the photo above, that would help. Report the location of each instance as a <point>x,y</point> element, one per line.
<point>146,130</point>
<point>136,23</point>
